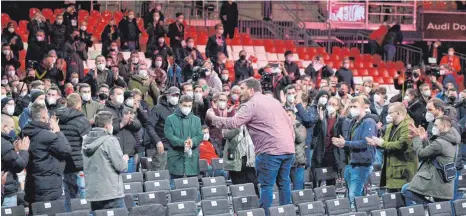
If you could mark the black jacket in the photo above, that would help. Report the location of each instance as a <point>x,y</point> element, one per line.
<point>13,61</point>
<point>58,35</point>
<point>75,53</point>
<point>345,75</point>
<point>383,114</point>
<point>125,134</point>
<point>12,163</point>
<point>85,38</point>
<point>74,126</point>
<point>149,18</point>
<point>185,52</point>
<point>155,32</point>
<point>231,11</point>
<point>173,32</point>
<point>292,68</point>
<point>53,74</point>
<point>69,19</point>
<point>107,37</point>
<point>125,34</point>
<point>6,39</point>
<point>154,49</point>
<point>37,50</point>
<point>34,26</point>
<point>243,70</point>
<point>318,141</point>
<point>417,111</point>
<point>326,72</point>
<point>47,151</point>
<point>212,48</point>
<point>157,116</point>
<point>89,79</point>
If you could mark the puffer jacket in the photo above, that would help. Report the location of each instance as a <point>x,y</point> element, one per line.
<point>125,134</point>
<point>428,181</point>
<point>74,126</point>
<point>103,165</point>
<point>12,163</point>
<point>58,35</point>
<point>178,127</point>
<point>47,153</point>
<point>300,144</point>
<point>157,118</point>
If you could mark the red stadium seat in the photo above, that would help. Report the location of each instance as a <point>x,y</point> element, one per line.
<point>47,12</point>
<point>388,80</point>
<point>279,42</point>
<point>33,11</point>
<point>268,43</point>
<point>336,50</point>
<point>321,50</point>
<point>399,65</point>
<point>305,57</point>
<point>5,19</point>
<point>58,11</point>
<point>363,72</point>
<point>383,72</point>
<point>335,56</point>
<point>368,64</point>
<point>391,64</point>
<point>392,72</point>
<point>95,13</point>
<point>280,50</point>
<point>247,42</point>
<point>23,24</point>
<point>373,71</point>
<point>355,72</point>
<point>378,79</point>
<point>289,43</point>
<point>355,52</point>
<point>22,54</point>
<point>345,52</point>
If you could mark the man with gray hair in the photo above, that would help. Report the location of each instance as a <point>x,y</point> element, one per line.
<point>49,148</point>
<point>103,164</point>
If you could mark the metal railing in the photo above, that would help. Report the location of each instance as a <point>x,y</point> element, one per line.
<point>409,54</point>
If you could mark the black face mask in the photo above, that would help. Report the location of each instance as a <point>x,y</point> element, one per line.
<point>341,93</point>
<point>76,37</point>
<point>242,57</point>
<point>103,96</point>
<point>416,75</point>
<point>452,98</point>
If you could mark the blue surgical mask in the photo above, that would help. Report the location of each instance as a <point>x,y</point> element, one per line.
<point>12,135</point>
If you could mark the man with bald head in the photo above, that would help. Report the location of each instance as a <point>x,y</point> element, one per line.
<point>12,162</point>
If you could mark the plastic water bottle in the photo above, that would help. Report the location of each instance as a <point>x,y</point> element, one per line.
<point>189,151</point>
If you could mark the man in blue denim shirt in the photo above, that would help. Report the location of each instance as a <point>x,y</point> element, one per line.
<point>361,154</point>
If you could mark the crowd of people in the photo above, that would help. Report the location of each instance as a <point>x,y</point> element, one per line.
<point>72,135</point>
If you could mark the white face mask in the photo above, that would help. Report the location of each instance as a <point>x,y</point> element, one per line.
<point>51,100</point>
<point>11,30</point>
<point>206,137</point>
<point>224,76</point>
<point>354,112</point>
<point>86,97</point>
<point>406,98</point>
<point>234,97</point>
<point>129,102</point>
<point>198,96</point>
<point>346,66</point>
<point>10,109</point>
<point>190,45</point>
<point>207,73</point>
<point>330,109</point>
<point>290,98</point>
<point>368,89</point>
<point>135,60</point>
<point>143,73</point>
<point>83,28</point>
<point>6,52</point>
<point>42,102</point>
<point>288,59</point>
<point>11,73</point>
<point>430,117</point>
<point>377,98</point>
<point>367,110</point>
<point>101,67</point>
<point>451,53</point>
<point>442,72</point>
<point>435,131</point>
<point>59,22</point>
<point>173,100</point>
<point>110,130</point>
<point>115,48</point>
<point>75,81</point>
<point>185,110</point>
<point>39,38</point>
<point>22,94</point>
<point>389,119</point>
<point>222,105</point>
<point>4,81</point>
<point>119,99</point>
<point>131,16</point>
<point>158,63</point>
<point>323,100</point>
<point>426,93</point>
<point>190,94</point>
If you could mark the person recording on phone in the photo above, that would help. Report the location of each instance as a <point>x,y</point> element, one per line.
<point>318,70</point>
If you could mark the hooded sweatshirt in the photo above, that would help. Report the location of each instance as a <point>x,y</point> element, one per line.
<point>103,165</point>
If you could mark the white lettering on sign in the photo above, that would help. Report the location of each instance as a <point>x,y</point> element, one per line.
<point>128,177</point>
<point>324,190</point>
<point>127,186</point>
<point>151,196</point>
<point>183,193</point>
<point>157,175</point>
<point>411,210</point>
<point>213,203</point>
<point>185,181</point>
<point>273,196</point>
<point>156,184</point>
<point>280,210</point>
<point>241,188</point>
<point>438,206</point>
<point>213,190</point>
<point>250,214</point>
<point>463,204</point>
<point>220,161</point>
<point>382,213</point>
<point>110,213</point>
<point>244,200</point>
<point>336,202</point>
<point>365,200</point>
<point>212,180</point>
<point>301,193</point>
<point>392,196</point>
<point>7,211</point>
<point>310,206</point>
<point>377,174</point>
<point>181,206</point>
<point>149,159</point>
<point>348,13</point>
<point>324,170</point>
<point>83,202</point>
<point>47,205</point>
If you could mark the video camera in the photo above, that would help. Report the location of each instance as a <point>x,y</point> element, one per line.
<point>267,77</point>
<point>198,72</point>
<point>433,69</point>
<point>409,75</point>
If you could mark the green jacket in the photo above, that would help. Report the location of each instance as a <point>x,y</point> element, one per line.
<point>177,129</point>
<point>400,161</point>
<point>90,108</point>
<point>428,181</point>
<point>150,91</point>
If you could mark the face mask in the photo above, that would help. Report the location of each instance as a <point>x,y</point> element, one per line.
<point>206,137</point>
<point>354,112</point>
<point>185,110</point>
<point>190,94</point>
<point>86,97</point>
<point>131,16</point>
<point>22,94</point>
<point>331,110</point>
<point>290,98</point>
<point>442,72</point>
<point>129,102</point>
<point>406,98</point>
<point>377,98</point>
<point>59,22</point>
<point>220,31</point>
<point>158,63</point>
<point>102,96</point>
<point>135,60</point>
<point>368,89</point>
<point>234,97</point>
<point>11,30</point>
<point>74,81</point>
<point>156,18</point>
<point>115,48</point>
<point>341,93</point>
<point>110,130</point>
<point>10,109</point>
<point>222,105</point>
<point>83,28</point>
<point>207,73</point>
<point>6,52</point>
<point>119,99</point>
<point>191,45</point>
<point>198,96</point>
<point>158,8</point>
<point>242,57</point>
<point>451,53</point>
<point>367,110</point>
<point>51,100</point>
<point>161,41</point>
<point>426,93</point>
<point>224,61</point>
<point>435,45</point>
<point>346,66</point>
<point>101,67</point>
<point>323,100</point>
<point>173,100</point>
<point>288,59</point>
<point>143,73</point>
<point>389,119</point>
<point>435,131</point>
<point>225,77</point>
<point>430,117</point>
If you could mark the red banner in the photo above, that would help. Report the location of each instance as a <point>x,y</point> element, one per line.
<point>347,12</point>
<point>444,26</point>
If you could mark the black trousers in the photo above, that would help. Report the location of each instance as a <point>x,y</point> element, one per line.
<point>246,175</point>
<point>229,29</point>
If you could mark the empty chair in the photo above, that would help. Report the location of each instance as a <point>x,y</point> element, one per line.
<point>275,199</point>
<point>217,164</point>
<point>112,212</point>
<point>182,195</point>
<point>439,208</point>
<point>385,212</point>
<point>213,181</point>
<point>374,180</point>
<point>75,213</point>
<point>14,211</point>
<point>415,210</point>
<point>312,209</point>
<point>215,207</point>
<point>129,201</point>
<point>393,200</point>
<point>367,203</point>
<point>132,177</point>
<point>325,193</point>
<point>251,212</point>
<point>325,173</point>
<point>215,192</point>
<point>203,167</point>
<point>355,214</point>
<point>282,210</point>
<point>158,185</point>
<point>302,196</point>
<point>245,203</point>
<point>338,206</point>
<point>152,209</point>
<point>80,204</point>
<point>157,197</point>
<point>48,208</point>
<point>146,163</point>
<point>184,209</point>
<point>190,182</point>
<point>460,206</point>
<point>157,175</point>
<point>242,190</point>
<point>133,187</point>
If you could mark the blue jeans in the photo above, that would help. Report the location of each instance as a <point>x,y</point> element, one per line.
<point>10,201</point>
<point>309,156</point>
<point>297,177</point>
<point>131,165</point>
<point>355,178</point>
<point>271,169</point>
<point>390,52</point>
<point>412,198</point>
<point>108,204</point>
<point>217,172</point>
<point>74,187</point>
<point>379,157</point>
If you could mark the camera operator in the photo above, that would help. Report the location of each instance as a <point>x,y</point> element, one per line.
<point>412,78</point>
<point>318,69</point>
<point>275,78</point>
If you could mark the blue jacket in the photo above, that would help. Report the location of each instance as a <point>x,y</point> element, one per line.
<point>179,78</point>
<point>449,79</point>
<point>360,152</point>
<point>308,118</point>
<point>24,118</point>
